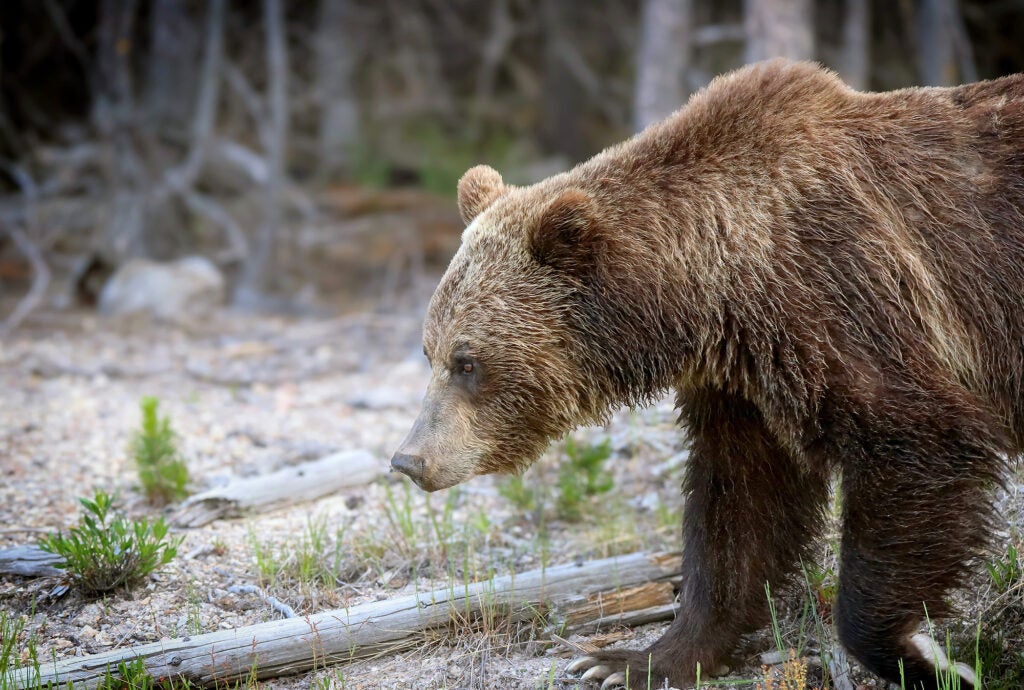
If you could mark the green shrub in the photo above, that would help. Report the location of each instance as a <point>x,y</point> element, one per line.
<point>161,470</point>
<point>106,550</point>
<point>582,476</point>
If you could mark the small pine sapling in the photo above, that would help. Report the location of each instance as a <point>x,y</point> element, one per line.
<point>161,470</point>
<point>582,476</point>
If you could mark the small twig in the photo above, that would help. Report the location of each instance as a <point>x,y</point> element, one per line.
<point>276,604</point>
<point>243,89</point>
<point>201,550</point>
<point>67,35</point>
<point>205,206</point>
<point>502,33</point>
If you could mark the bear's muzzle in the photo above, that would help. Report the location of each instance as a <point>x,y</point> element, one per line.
<point>410,465</point>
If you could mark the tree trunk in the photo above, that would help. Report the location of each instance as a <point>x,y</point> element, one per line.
<point>287,486</point>
<point>113,117</point>
<point>339,114</point>
<point>779,28</point>
<point>173,57</point>
<point>855,58</point>
<point>563,102</point>
<point>935,42</point>
<point>662,60</point>
<point>256,272</point>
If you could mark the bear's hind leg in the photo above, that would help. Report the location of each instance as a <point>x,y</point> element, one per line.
<point>750,512</point>
<point>916,514</point>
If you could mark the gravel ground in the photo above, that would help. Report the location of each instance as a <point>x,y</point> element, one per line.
<point>248,395</point>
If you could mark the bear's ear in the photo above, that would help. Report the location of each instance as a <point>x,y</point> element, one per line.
<point>478,189</point>
<point>567,235</point>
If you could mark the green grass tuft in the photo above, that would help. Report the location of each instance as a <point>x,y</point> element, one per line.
<point>1007,570</point>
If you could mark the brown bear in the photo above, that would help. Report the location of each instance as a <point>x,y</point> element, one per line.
<point>831,281</point>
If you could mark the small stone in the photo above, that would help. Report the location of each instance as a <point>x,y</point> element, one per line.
<point>174,291</point>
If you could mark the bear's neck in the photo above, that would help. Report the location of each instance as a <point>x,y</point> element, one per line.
<point>692,298</point>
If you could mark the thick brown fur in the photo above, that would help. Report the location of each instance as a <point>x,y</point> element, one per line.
<point>831,281</point>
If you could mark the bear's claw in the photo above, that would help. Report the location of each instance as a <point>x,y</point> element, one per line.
<point>614,680</point>
<point>581,663</point>
<point>597,672</point>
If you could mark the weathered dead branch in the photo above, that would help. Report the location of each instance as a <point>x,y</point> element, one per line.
<point>28,561</point>
<point>40,271</point>
<point>287,486</point>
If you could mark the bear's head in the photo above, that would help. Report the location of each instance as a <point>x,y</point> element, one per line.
<point>509,373</point>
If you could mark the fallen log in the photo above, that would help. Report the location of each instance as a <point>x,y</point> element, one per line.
<point>293,645</point>
<point>629,606</point>
<point>295,484</point>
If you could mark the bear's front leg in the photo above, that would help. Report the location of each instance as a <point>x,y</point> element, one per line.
<point>750,511</point>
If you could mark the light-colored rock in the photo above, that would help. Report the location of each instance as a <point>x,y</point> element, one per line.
<point>176,291</point>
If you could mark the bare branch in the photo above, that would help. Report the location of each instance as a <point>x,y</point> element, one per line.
<point>718,33</point>
<point>276,141</point>
<point>206,107</point>
<point>40,271</point>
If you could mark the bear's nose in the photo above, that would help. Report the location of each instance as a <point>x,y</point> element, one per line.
<point>409,465</point>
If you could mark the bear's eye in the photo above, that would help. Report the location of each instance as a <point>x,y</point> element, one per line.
<point>466,373</point>
<point>465,367</point>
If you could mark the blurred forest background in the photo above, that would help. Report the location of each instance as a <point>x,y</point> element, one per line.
<point>309,151</point>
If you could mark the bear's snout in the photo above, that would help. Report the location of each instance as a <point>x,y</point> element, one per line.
<point>410,465</point>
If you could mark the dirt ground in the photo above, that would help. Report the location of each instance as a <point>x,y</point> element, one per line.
<point>247,395</point>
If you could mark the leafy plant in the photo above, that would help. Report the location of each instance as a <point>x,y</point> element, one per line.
<point>161,470</point>
<point>582,476</point>
<point>106,550</point>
